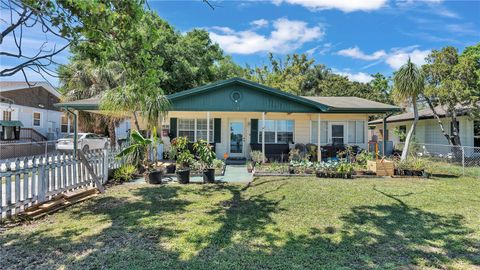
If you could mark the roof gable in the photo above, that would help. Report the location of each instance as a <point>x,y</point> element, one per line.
<point>241,95</point>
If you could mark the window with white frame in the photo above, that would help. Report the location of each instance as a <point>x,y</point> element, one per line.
<point>36,119</point>
<point>323,132</point>
<point>277,131</point>
<point>64,125</point>
<point>356,131</point>
<point>194,129</point>
<point>202,129</point>
<point>186,128</point>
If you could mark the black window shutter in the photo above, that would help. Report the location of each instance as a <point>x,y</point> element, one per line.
<point>254,131</point>
<point>173,128</point>
<point>217,130</point>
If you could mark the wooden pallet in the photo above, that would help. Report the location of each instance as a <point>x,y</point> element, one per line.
<point>59,202</point>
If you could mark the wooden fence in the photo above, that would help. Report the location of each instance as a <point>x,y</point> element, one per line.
<point>33,180</point>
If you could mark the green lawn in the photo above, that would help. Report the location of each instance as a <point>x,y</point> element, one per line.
<point>274,223</point>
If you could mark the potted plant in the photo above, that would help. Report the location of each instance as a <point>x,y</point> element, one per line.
<point>184,159</point>
<point>137,152</point>
<point>206,157</point>
<point>345,169</point>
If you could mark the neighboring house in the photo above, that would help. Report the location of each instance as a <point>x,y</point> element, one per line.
<point>428,130</point>
<point>27,113</point>
<point>229,114</point>
<point>31,107</point>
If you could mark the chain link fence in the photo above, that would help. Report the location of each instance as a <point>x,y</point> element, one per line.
<point>25,149</point>
<point>456,159</point>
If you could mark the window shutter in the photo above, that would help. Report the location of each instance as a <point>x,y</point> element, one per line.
<point>217,130</point>
<point>254,131</point>
<point>173,128</point>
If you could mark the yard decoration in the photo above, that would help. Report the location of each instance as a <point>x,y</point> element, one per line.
<point>179,149</point>
<point>138,153</point>
<point>206,157</point>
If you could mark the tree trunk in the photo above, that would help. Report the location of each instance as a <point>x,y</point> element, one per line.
<point>445,134</point>
<point>136,121</point>
<point>455,135</point>
<point>411,131</point>
<point>111,132</point>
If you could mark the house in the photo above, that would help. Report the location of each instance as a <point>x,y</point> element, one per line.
<point>28,113</point>
<point>428,130</point>
<point>238,116</point>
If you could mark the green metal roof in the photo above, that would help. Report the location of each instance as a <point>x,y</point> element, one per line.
<point>11,123</point>
<point>242,95</point>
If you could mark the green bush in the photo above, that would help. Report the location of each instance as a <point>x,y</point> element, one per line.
<point>257,157</point>
<point>124,173</point>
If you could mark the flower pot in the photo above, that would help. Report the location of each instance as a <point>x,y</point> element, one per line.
<point>171,168</point>
<point>209,176</point>
<point>154,177</point>
<point>320,174</point>
<point>183,176</point>
<point>291,170</point>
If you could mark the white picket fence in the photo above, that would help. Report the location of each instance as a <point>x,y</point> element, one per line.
<point>37,179</point>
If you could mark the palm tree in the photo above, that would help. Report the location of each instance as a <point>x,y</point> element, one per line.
<point>408,83</point>
<point>82,79</point>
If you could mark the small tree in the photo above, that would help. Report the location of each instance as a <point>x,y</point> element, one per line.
<point>137,152</point>
<point>408,84</point>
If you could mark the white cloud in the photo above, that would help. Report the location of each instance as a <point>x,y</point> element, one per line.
<point>399,57</point>
<point>259,23</point>
<point>343,5</point>
<point>356,77</point>
<point>287,35</point>
<point>395,58</point>
<point>356,53</point>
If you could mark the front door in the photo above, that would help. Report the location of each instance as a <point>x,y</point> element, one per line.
<point>237,138</point>
<point>337,131</point>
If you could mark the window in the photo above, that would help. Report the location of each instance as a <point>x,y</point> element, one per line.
<point>476,133</point>
<point>356,131</point>
<point>277,131</point>
<point>194,129</point>
<point>402,130</point>
<point>323,132</point>
<point>186,128</point>
<point>64,125</point>
<point>36,119</point>
<point>202,129</point>
<point>7,115</point>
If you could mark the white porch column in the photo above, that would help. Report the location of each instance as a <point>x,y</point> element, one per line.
<point>263,136</point>
<point>319,150</point>
<point>208,127</point>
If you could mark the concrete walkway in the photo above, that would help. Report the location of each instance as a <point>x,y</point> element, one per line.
<point>233,174</point>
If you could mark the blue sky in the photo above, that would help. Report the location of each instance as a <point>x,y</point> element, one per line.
<point>354,38</point>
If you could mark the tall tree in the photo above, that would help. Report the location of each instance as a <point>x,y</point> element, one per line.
<point>452,81</point>
<point>408,85</point>
<point>81,79</point>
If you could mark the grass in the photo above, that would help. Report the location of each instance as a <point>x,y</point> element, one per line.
<point>273,223</point>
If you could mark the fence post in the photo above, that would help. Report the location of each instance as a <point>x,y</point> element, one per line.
<point>105,165</point>
<point>41,183</point>
<point>463,159</point>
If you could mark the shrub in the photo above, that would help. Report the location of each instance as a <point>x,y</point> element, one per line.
<point>257,157</point>
<point>124,173</point>
<point>205,154</point>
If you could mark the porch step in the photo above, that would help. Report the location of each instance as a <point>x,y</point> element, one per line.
<point>236,161</point>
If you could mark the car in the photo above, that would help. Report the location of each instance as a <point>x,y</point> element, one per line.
<point>86,142</point>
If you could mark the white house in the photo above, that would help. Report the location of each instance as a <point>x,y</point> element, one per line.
<point>428,130</point>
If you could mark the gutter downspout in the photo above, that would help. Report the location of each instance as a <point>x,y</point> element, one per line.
<point>385,134</point>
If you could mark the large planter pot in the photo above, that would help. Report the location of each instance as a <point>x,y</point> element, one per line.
<point>209,176</point>
<point>154,177</point>
<point>171,168</point>
<point>183,176</point>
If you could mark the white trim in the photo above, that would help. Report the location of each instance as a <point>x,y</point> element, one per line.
<point>195,127</point>
<point>345,130</point>
<point>276,131</point>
